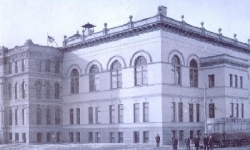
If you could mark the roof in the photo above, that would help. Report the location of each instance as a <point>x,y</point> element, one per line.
<point>88,25</point>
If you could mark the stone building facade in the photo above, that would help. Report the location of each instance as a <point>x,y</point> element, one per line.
<point>123,84</point>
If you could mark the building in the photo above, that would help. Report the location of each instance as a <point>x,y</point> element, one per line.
<point>123,84</point>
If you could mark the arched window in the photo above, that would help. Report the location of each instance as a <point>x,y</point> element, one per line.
<point>38,89</point>
<point>141,71</point>
<point>57,90</point>
<point>47,90</point>
<point>193,73</point>
<point>116,75</point>
<point>176,69</point>
<point>23,90</point>
<point>16,86</point>
<point>74,81</point>
<point>94,79</point>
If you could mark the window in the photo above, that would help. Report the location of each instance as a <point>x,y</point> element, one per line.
<point>10,91</point>
<point>193,73</point>
<point>57,67</point>
<point>78,137</point>
<point>181,135</point>
<point>141,71</point>
<point>145,137</point>
<point>90,115</point>
<point>242,110</point>
<point>112,114</point>
<point>58,137</point>
<point>116,75</point>
<point>112,137</point>
<point>38,89</point>
<point>97,115</point>
<point>47,90</point>
<point>23,116</point>
<point>191,112</point>
<point>77,115</point>
<point>48,116</point>
<point>39,116</point>
<point>74,81</point>
<point>10,68</point>
<point>48,137</point>
<point>198,133</point>
<point>235,81</point>
<point>136,113</point>
<point>10,137</point>
<point>16,67</point>
<point>57,90</point>
<point>16,86</point>
<point>24,137</point>
<point>231,80</point>
<point>23,90</point>
<point>198,112</point>
<point>71,115</point>
<point>191,134</point>
<point>136,137</point>
<point>98,137</point>
<point>10,117</point>
<point>39,66</point>
<point>57,116</point>
<point>241,82</point>
<point>120,137</point>
<point>47,66</point>
<point>237,110</point>
<point>90,137</point>
<point>173,112</point>
<point>16,137</point>
<point>145,112</point>
<point>211,80</point>
<point>120,113</point>
<point>211,110</point>
<point>232,109</point>
<point>16,117</point>
<point>173,133</point>
<point>180,110</point>
<point>94,79</point>
<point>71,137</point>
<point>176,69</point>
<point>23,65</point>
<point>39,137</point>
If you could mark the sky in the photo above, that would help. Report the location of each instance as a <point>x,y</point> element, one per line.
<point>34,19</point>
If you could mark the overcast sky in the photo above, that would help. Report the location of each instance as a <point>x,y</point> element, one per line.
<point>33,19</point>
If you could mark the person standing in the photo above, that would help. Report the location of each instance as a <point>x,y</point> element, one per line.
<point>175,143</point>
<point>187,141</point>
<point>205,142</point>
<point>157,139</point>
<point>196,142</point>
<point>211,142</point>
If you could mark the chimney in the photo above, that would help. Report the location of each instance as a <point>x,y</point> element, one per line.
<point>162,10</point>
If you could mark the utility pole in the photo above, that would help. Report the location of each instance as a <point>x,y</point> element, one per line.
<point>205,109</point>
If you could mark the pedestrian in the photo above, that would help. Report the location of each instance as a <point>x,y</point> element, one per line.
<point>187,141</point>
<point>175,143</point>
<point>157,139</point>
<point>196,142</point>
<point>211,142</point>
<point>205,142</point>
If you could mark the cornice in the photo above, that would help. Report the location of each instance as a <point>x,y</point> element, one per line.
<point>157,22</point>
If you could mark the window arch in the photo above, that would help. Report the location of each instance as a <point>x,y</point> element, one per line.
<point>176,69</point>
<point>23,90</point>
<point>74,81</point>
<point>116,75</point>
<point>38,89</point>
<point>57,90</point>
<point>16,86</point>
<point>193,73</point>
<point>140,71</point>
<point>47,90</point>
<point>94,78</point>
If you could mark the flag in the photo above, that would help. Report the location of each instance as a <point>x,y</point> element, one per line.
<point>50,39</point>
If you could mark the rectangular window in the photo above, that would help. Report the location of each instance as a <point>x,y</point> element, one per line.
<point>145,112</point>
<point>116,78</point>
<point>173,112</point>
<point>90,115</point>
<point>16,137</point>
<point>198,112</point>
<point>112,114</point>
<point>136,137</point>
<point>136,112</point>
<point>39,137</point>
<point>198,133</point>
<point>10,91</point>
<point>78,137</point>
<point>71,115</point>
<point>120,113</point>
<point>236,81</point>
<point>58,137</point>
<point>24,137</point>
<point>16,67</point>
<point>57,116</point>
<point>10,117</point>
<point>57,67</point>
<point>23,116</point>
<point>174,133</point>
<point>77,115</point>
<point>180,110</point>
<point>181,135</point>
<point>71,137</point>
<point>48,116</point>
<point>47,66</point>
<point>237,110</point>
<point>120,137</point>
<point>39,66</point>
<point>242,110</point>
<point>39,116</point>
<point>16,117</point>
<point>191,112</point>
<point>10,68</point>
<point>111,137</point>
<point>48,137</point>
<point>232,110</point>
<point>10,137</point>
<point>231,80</point>
<point>23,65</point>
<point>211,80</point>
<point>90,137</point>
<point>191,134</point>
<point>145,136</point>
<point>211,110</point>
<point>97,137</point>
<point>241,82</point>
<point>97,115</point>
